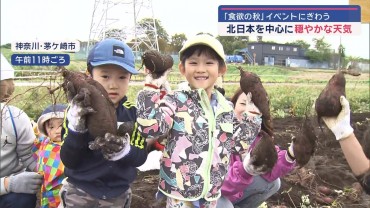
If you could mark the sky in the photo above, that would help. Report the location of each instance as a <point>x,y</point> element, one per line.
<point>29,20</point>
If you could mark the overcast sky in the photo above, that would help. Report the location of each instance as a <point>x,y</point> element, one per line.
<point>71,19</point>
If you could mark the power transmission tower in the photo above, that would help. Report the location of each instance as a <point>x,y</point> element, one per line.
<point>146,32</point>
<point>120,19</point>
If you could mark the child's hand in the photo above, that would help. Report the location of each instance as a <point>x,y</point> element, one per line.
<point>113,147</point>
<point>80,107</point>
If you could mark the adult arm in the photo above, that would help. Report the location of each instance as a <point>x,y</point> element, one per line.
<point>354,154</point>
<point>352,150</point>
<point>25,138</point>
<point>237,179</point>
<point>357,160</point>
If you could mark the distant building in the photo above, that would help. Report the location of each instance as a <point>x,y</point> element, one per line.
<point>262,53</point>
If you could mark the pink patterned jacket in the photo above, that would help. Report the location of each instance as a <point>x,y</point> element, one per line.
<point>200,140</point>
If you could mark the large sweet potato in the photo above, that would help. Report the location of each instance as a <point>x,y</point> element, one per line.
<point>364,179</point>
<point>264,152</point>
<point>156,63</point>
<point>250,82</point>
<point>366,143</point>
<point>104,119</point>
<point>6,89</point>
<point>328,102</point>
<point>304,143</point>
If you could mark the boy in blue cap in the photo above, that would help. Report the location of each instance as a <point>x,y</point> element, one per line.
<point>94,181</point>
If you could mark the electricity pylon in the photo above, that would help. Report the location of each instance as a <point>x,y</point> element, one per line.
<point>120,19</point>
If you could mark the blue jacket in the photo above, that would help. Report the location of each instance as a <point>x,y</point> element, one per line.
<point>89,171</point>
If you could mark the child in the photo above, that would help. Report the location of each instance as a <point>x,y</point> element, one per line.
<point>18,187</point>
<point>154,61</point>
<point>92,180</point>
<point>244,189</point>
<point>202,128</point>
<point>48,153</point>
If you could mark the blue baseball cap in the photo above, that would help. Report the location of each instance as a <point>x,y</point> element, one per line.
<point>112,51</point>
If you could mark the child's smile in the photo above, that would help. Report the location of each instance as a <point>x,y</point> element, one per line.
<point>201,77</point>
<point>201,71</point>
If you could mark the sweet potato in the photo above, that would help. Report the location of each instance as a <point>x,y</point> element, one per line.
<point>356,186</point>
<point>366,143</point>
<point>364,180</point>
<point>250,82</point>
<point>264,152</point>
<point>126,127</point>
<point>104,119</point>
<point>156,63</point>
<point>6,89</point>
<point>325,190</point>
<point>328,104</point>
<point>324,200</point>
<point>304,143</point>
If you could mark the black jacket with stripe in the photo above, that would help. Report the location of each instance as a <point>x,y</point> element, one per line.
<point>89,171</point>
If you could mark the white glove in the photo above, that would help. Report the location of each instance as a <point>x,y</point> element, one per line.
<point>290,157</point>
<point>125,149</point>
<point>250,168</point>
<point>113,147</point>
<point>80,107</point>
<point>340,125</point>
<point>25,182</point>
<point>250,108</point>
<point>157,82</point>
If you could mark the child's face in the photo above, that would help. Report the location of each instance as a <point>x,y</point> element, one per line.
<point>54,129</point>
<point>201,71</point>
<point>114,80</point>
<point>240,105</point>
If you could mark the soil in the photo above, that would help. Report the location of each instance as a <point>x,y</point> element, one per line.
<point>327,167</point>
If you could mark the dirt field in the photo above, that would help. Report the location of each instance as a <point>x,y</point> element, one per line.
<point>326,168</point>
